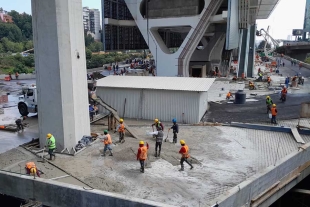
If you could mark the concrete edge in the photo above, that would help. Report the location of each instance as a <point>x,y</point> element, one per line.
<point>79,190</point>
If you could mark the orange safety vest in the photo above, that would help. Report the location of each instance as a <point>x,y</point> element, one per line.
<point>30,165</point>
<point>228,94</point>
<point>185,155</point>
<point>143,154</point>
<point>268,79</point>
<point>284,91</point>
<point>108,140</point>
<point>121,128</point>
<point>273,111</point>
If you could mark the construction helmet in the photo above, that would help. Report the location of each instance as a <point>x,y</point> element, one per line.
<point>48,135</point>
<point>182,141</point>
<point>121,120</point>
<point>33,171</point>
<point>156,120</point>
<point>174,120</point>
<point>105,131</point>
<point>274,105</point>
<point>141,142</point>
<point>267,97</point>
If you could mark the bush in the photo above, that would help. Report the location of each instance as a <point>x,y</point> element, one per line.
<point>20,68</point>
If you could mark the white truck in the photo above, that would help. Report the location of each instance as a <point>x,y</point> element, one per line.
<point>28,102</point>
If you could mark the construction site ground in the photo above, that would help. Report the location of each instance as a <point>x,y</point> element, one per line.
<point>222,156</point>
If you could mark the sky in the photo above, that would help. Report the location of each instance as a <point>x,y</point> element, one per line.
<point>288,15</point>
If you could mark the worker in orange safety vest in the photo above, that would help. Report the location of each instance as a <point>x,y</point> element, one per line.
<point>185,154</point>
<point>142,154</point>
<point>31,169</point>
<point>107,141</point>
<point>121,131</point>
<point>274,113</point>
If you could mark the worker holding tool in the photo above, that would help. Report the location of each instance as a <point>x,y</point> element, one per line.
<point>107,141</point>
<point>121,131</point>
<point>51,144</point>
<point>31,169</point>
<point>175,130</point>
<point>274,112</point>
<point>184,151</point>
<point>142,154</point>
<point>157,123</point>
<point>268,103</point>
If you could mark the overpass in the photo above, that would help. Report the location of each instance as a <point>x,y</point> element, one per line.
<point>296,50</point>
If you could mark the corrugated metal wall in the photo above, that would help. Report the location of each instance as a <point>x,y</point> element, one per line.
<point>186,106</point>
<point>203,104</point>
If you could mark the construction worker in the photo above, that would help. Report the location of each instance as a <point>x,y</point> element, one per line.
<point>142,154</point>
<point>251,85</point>
<point>268,103</point>
<point>159,140</point>
<point>51,144</point>
<point>229,95</point>
<point>175,130</point>
<point>19,123</point>
<point>274,112</point>
<point>157,123</point>
<point>121,131</point>
<point>31,169</point>
<point>107,141</point>
<point>268,80</point>
<point>184,151</point>
<point>283,94</point>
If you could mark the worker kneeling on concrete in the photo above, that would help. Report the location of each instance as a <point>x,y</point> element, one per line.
<point>121,131</point>
<point>184,151</point>
<point>51,144</point>
<point>19,123</point>
<point>142,154</point>
<point>107,141</point>
<point>31,169</point>
<point>229,95</point>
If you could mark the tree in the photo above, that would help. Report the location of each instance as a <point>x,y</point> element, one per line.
<point>88,40</point>
<point>1,48</point>
<point>262,45</point>
<point>28,61</point>
<point>28,45</point>
<point>23,22</point>
<point>10,31</point>
<point>88,54</point>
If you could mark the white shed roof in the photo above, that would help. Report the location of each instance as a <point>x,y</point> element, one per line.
<point>159,83</point>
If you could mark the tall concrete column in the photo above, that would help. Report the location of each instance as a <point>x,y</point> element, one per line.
<point>61,71</point>
<point>251,56</point>
<point>243,52</point>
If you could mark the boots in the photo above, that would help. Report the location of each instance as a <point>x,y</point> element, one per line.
<point>142,169</point>
<point>51,156</point>
<point>103,155</point>
<point>182,168</point>
<point>192,167</point>
<point>156,154</point>
<point>111,154</point>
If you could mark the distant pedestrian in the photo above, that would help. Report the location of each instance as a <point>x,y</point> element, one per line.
<point>91,112</point>
<point>159,141</point>
<point>121,131</point>
<point>10,75</point>
<point>51,144</point>
<point>16,75</point>
<point>287,81</point>
<point>283,64</point>
<point>107,141</point>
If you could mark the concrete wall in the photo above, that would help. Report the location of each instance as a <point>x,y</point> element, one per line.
<point>53,193</point>
<point>173,8</point>
<point>294,163</point>
<point>150,104</point>
<point>21,76</point>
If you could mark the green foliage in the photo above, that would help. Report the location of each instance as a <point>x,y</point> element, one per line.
<point>10,31</point>
<point>95,47</point>
<point>24,22</point>
<point>88,54</point>
<point>88,40</point>
<point>28,61</point>
<point>28,45</point>
<point>307,60</point>
<point>20,68</point>
<point>10,46</point>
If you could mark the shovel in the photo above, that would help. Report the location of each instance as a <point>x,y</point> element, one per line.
<point>167,136</point>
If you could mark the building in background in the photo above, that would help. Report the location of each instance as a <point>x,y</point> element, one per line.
<point>91,22</point>
<point>307,20</point>
<point>4,17</point>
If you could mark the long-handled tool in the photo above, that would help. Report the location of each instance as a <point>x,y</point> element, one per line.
<point>167,135</point>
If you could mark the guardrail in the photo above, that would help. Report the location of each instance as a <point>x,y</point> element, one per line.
<point>20,77</point>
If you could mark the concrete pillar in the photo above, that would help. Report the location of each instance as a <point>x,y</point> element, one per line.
<point>251,56</point>
<point>61,71</point>
<point>243,55</point>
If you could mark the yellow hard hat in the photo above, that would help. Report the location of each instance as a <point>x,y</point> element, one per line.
<point>182,141</point>
<point>274,105</point>
<point>141,142</point>
<point>156,120</point>
<point>48,135</point>
<point>121,120</point>
<point>33,171</point>
<point>268,97</point>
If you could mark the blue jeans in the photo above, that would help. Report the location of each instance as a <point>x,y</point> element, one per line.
<point>273,120</point>
<point>286,85</point>
<point>107,147</point>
